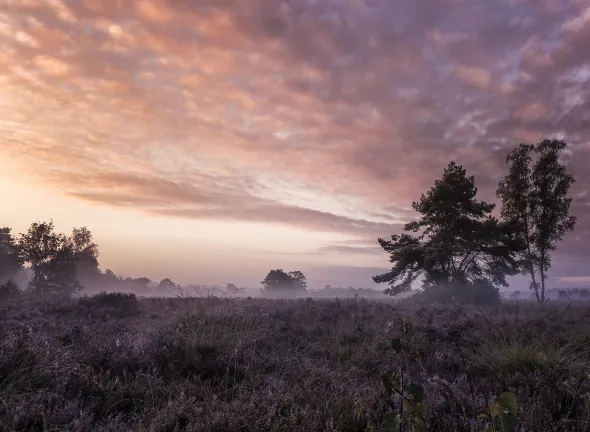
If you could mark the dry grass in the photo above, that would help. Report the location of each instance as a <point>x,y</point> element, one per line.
<point>211,364</point>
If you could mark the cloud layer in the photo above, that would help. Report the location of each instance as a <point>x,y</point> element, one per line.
<point>329,115</point>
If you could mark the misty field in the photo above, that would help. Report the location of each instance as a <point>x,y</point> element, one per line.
<point>117,363</point>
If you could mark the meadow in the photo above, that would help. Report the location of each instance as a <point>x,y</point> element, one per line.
<point>118,363</point>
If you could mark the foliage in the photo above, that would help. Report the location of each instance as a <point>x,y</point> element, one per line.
<point>86,252</point>
<point>412,409</point>
<point>52,258</point>
<point>536,198</point>
<point>10,260</point>
<point>480,292</point>
<point>279,280</point>
<point>460,243</point>
<point>109,276</point>
<point>9,290</point>
<point>166,284</point>
<point>118,303</point>
<point>142,281</point>
<point>502,414</point>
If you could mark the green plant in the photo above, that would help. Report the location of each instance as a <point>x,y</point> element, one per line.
<point>412,411</point>
<point>509,354</point>
<point>502,415</point>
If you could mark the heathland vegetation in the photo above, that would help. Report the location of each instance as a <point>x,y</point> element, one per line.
<point>450,357</point>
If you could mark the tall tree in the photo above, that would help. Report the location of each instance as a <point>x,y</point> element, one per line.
<point>458,243</point>
<point>10,260</point>
<point>52,259</point>
<point>535,197</point>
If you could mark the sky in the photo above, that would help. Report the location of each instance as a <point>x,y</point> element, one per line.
<point>213,140</point>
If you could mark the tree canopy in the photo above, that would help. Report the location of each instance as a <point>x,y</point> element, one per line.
<point>86,252</point>
<point>279,280</point>
<point>10,259</point>
<point>536,199</point>
<point>455,241</point>
<point>52,259</point>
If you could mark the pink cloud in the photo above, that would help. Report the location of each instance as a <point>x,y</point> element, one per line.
<point>188,108</point>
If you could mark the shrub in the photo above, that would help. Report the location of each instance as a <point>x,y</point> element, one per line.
<point>478,293</point>
<point>9,289</point>
<point>118,303</point>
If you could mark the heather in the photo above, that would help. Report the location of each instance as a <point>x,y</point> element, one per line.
<point>115,362</point>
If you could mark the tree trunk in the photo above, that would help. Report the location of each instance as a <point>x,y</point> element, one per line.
<point>542,277</point>
<point>535,284</point>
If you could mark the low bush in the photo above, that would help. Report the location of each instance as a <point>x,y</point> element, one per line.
<point>9,290</point>
<point>115,303</point>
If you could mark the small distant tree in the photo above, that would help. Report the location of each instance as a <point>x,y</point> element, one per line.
<point>515,295</point>
<point>461,251</point>
<point>10,259</point>
<point>109,276</point>
<point>564,294</point>
<point>166,284</point>
<point>585,293</point>
<point>536,198</point>
<point>279,280</point>
<point>230,287</point>
<point>143,281</point>
<point>52,260</point>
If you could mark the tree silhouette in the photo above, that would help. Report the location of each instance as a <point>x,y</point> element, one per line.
<point>166,283</point>
<point>230,287</point>
<point>299,280</point>
<point>536,198</point>
<point>86,252</point>
<point>279,280</point>
<point>52,260</point>
<point>142,281</point>
<point>460,244</point>
<point>109,276</point>
<point>10,259</point>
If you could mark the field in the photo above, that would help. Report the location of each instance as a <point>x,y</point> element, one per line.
<point>222,364</point>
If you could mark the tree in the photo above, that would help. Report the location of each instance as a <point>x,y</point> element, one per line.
<point>299,281</point>
<point>585,293</point>
<point>279,280</point>
<point>143,281</point>
<point>515,295</point>
<point>52,260</point>
<point>166,284</point>
<point>109,276</point>
<point>10,259</point>
<point>9,289</point>
<point>231,288</point>
<point>564,294</point>
<point>535,197</point>
<point>461,249</point>
<point>86,252</point>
